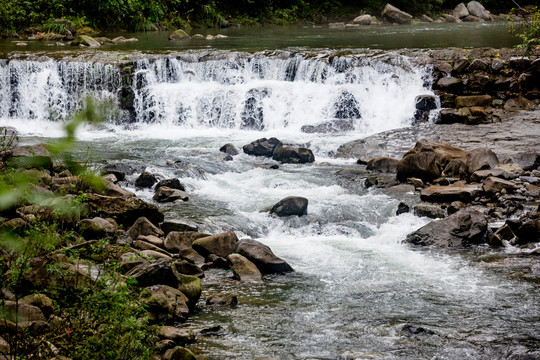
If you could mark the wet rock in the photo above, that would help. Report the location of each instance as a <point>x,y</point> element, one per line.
<point>85,40</point>
<point>517,104</point>
<point>179,353</point>
<point>221,245</point>
<point>170,183</point>
<point>402,208</point>
<point>383,164</point>
<point>165,304</point>
<point>145,180</point>
<point>416,183</point>
<point>166,194</point>
<point>478,10</point>
<point>460,11</point>
<point>464,228</point>
<point>473,100</point>
<point>425,161</point>
<point>262,147</point>
<point>243,269</point>
<point>262,256</point>
<point>96,228</point>
<point>120,170</point>
<point>293,155</point>
<point>224,299</point>
<point>459,191</point>
<point>178,225</point>
<point>393,15</point>
<point>289,206</point>
<point>153,273</point>
<point>192,256</point>
<point>328,127</point>
<point>362,20</point>
<point>429,210</point>
<point>480,159</point>
<point>346,107</point>
<point>179,35</point>
<point>450,84</point>
<point>504,233</point>
<point>424,104</point>
<point>494,185</point>
<point>143,226</point>
<point>190,286</point>
<point>180,240</point>
<point>416,330</point>
<point>529,232</point>
<point>229,149</point>
<point>112,189</point>
<point>187,268</point>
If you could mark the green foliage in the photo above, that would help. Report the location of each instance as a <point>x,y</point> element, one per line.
<point>527,30</point>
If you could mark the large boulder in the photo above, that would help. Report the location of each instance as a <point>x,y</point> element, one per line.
<point>480,159</point>
<point>32,156</point>
<point>478,10</point>
<point>221,245</point>
<point>427,160</point>
<point>393,15</point>
<point>165,304</point>
<point>293,155</point>
<point>262,256</point>
<point>143,226</point>
<point>528,160</point>
<point>243,269</point>
<point>190,286</point>
<point>291,205</point>
<point>262,147</point>
<point>459,191</point>
<point>125,210</point>
<point>157,272</point>
<point>460,11</point>
<point>464,228</point>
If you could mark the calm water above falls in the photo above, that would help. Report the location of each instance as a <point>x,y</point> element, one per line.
<point>355,284</point>
<point>270,38</point>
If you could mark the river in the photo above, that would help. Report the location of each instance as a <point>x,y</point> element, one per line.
<point>356,285</point>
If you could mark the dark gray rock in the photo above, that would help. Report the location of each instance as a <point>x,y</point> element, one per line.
<point>332,126</point>
<point>262,147</point>
<point>120,170</point>
<point>229,149</point>
<point>464,228</point>
<point>480,159</point>
<point>291,205</point>
<point>170,183</point>
<point>402,208</point>
<point>145,180</point>
<point>262,256</point>
<point>429,210</point>
<point>153,273</point>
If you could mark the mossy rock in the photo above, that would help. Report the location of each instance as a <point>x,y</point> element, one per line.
<point>179,35</point>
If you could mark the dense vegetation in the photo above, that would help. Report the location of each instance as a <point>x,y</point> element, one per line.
<point>16,15</point>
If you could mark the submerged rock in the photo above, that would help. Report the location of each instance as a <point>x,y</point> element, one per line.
<point>229,149</point>
<point>170,183</point>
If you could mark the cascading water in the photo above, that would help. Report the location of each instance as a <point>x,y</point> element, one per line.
<point>355,284</point>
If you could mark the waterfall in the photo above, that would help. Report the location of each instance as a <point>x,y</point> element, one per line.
<point>310,92</point>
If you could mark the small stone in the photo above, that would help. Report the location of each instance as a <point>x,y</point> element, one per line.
<point>402,208</point>
<point>225,299</point>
